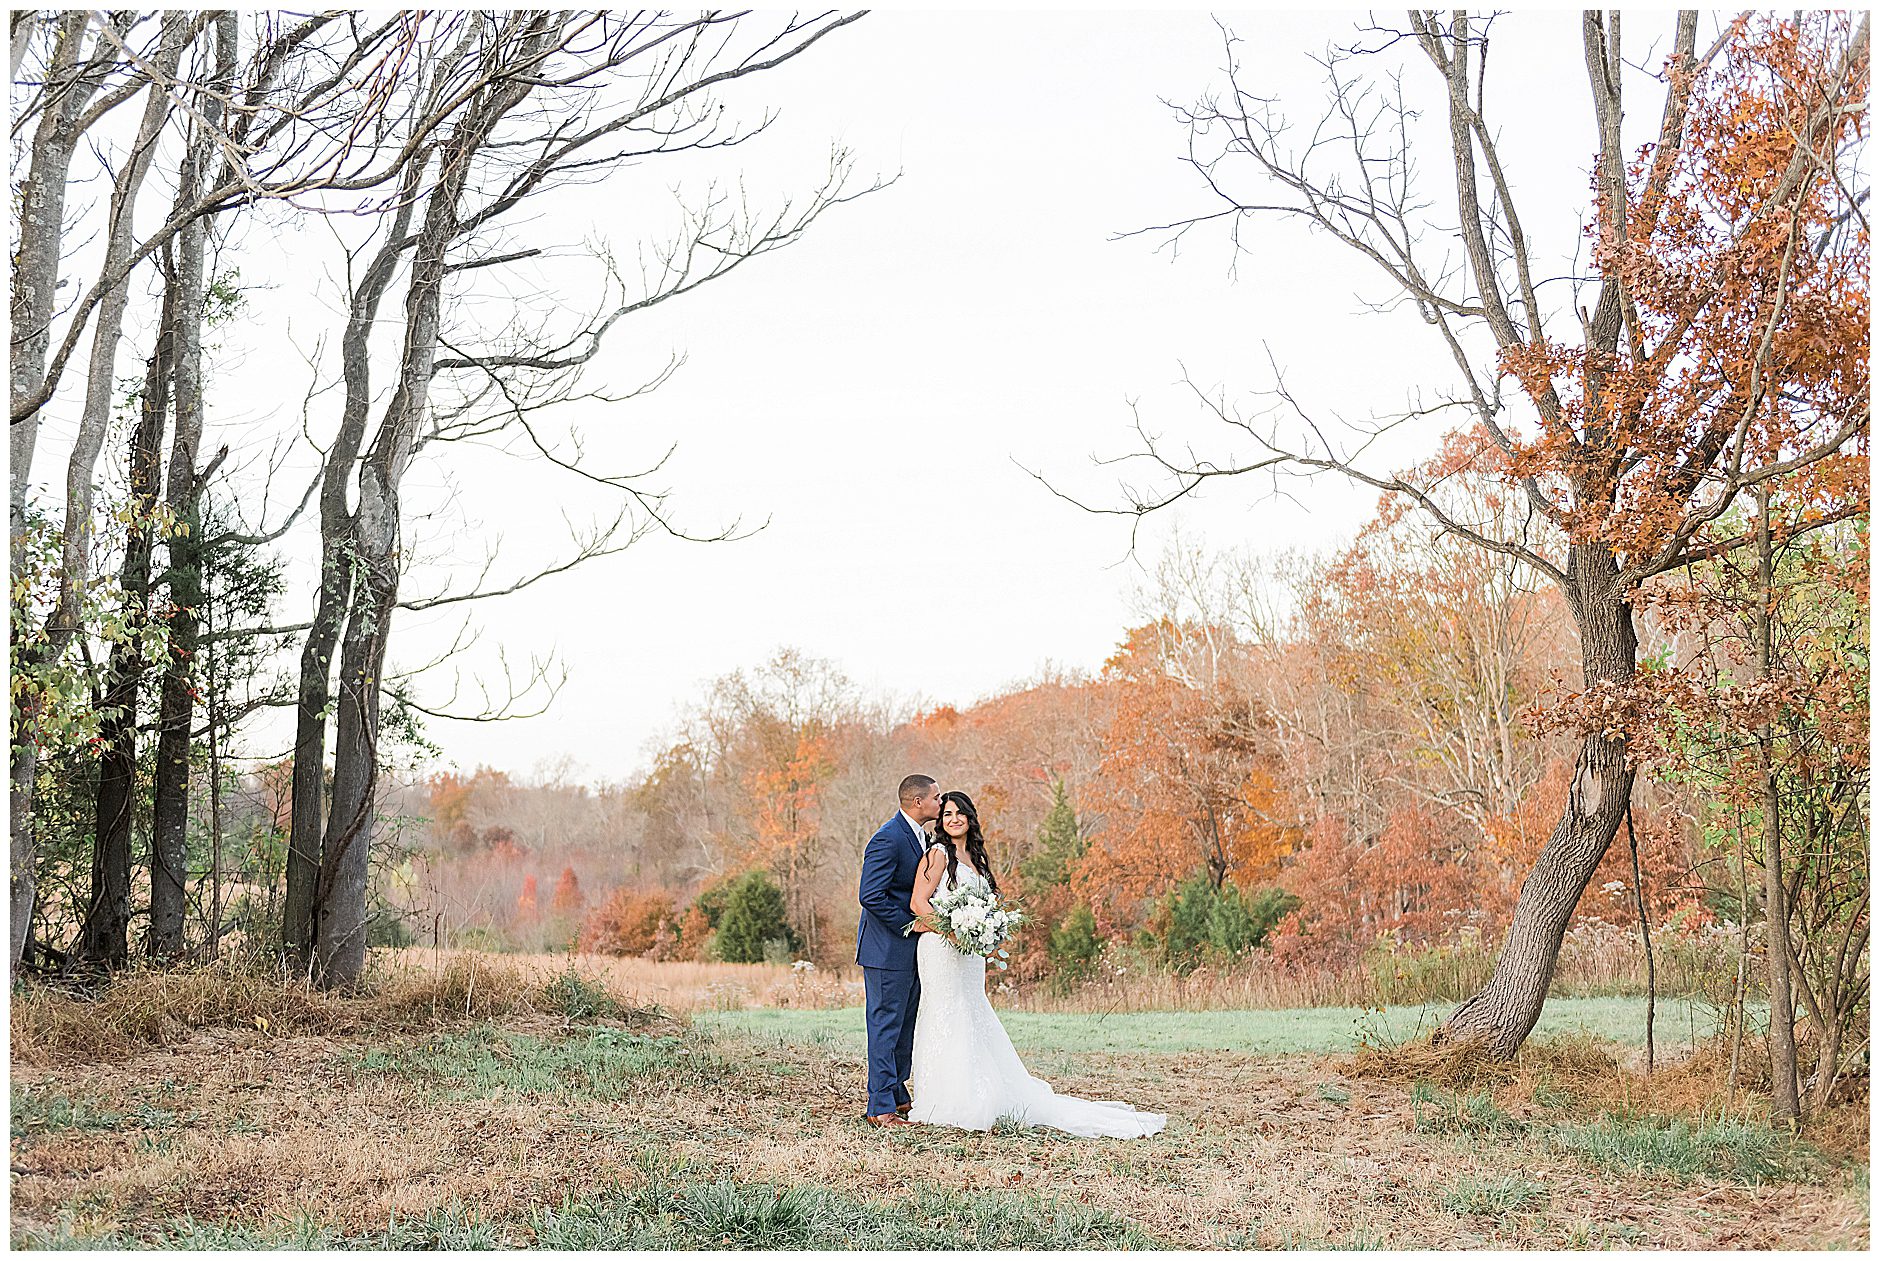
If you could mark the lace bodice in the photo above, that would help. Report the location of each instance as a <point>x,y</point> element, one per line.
<point>966,877</point>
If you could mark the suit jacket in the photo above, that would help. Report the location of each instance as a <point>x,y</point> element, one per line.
<point>888,866</point>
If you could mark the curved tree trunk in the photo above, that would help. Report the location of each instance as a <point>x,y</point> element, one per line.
<point>345,866</point>
<point>307,825</point>
<point>308,814</point>
<point>1504,1012</point>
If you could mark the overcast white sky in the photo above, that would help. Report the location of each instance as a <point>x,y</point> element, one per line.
<point>873,389</point>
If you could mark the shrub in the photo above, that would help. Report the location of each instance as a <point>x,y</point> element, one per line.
<point>627,923</point>
<point>753,915</point>
<point>578,997</point>
<point>1195,919</point>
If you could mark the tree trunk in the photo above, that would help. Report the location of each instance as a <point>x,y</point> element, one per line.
<point>169,847</point>
<point>22,887</point>
<point>345,860</point>
<point>170,832</point>
<point>1785,1101</point>
<point>1501,1016</point>
<point>307,823</point>
<point>308,812</point>
<point>106,936</point>
<point>41,235</point>
<point>176,714</point>
<point>345,867</point>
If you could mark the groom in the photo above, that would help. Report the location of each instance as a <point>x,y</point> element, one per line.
<point>886,953</point>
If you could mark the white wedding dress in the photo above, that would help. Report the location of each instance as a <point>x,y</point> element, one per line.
<point>965,1072</point>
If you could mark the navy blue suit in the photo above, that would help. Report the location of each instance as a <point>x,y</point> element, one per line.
<point>889,980</point>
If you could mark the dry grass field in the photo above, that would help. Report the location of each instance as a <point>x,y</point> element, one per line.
<point>478,1104</point>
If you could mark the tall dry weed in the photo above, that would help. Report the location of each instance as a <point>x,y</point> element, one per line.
<point>149,1007</point>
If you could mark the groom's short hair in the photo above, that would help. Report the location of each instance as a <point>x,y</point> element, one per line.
<point>915,786</point>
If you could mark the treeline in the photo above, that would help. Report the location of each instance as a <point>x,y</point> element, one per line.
<point>1336,762</point>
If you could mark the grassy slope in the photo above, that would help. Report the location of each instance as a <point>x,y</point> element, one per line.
<point>1322,1030</point>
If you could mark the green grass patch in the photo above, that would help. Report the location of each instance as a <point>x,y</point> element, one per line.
<point>722,1214</point>
<point>1730,1150</point>
<point>453,1229</point>
<point>661,1213</point>
<point>35,1113</point>
<point>1316,1030</point>
<point>1492,1197</point>
<point>1447,1112</point>
<point>485,1063</point>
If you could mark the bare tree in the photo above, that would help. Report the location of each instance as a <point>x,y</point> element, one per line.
<point>555,98</point>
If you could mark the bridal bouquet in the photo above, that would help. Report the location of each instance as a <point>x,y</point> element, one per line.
<point>973,921</point>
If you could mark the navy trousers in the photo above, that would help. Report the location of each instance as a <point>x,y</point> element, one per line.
<point>893,996</point>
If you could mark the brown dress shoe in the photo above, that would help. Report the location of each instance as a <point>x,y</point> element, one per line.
<point>903,1108</point>
<point>889,1118</point>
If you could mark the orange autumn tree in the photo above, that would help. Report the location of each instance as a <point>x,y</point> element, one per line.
<point>568,898</point>
<point>454,798</point>
<point>1187,782</point>
<point>1010,751</point>
<point>775,737</point>
<point>1716,345</point>
<point>787,826</point>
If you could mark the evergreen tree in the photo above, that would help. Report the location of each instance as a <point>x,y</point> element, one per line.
<point>1196,920</point>
<point>1060,844</point>
<point>753,917</point>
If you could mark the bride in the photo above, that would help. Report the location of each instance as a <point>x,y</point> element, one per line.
<point>965,1071</point>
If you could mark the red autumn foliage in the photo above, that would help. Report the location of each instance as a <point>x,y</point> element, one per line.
<point>568,899</point>
<point>628,922</point>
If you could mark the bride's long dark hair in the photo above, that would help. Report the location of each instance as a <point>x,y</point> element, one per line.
<point>975,840</point>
